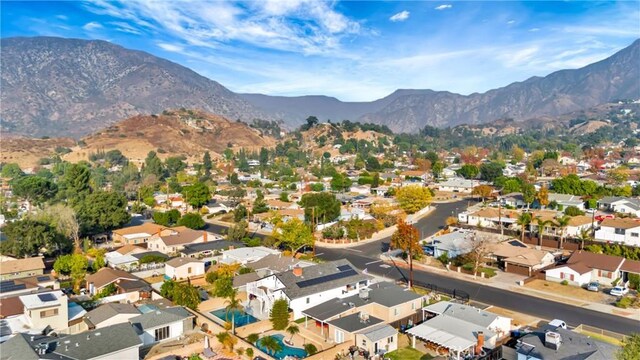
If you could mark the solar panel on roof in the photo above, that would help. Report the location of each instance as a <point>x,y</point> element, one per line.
<point>7,283</point>
<point>326,278</point>
<point>13,287</point>
<point>47,297</point>
<point>5,330</point>
<point>43,278</point>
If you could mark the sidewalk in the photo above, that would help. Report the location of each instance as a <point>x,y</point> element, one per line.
<point>633,314</point>
<point>375,237</point>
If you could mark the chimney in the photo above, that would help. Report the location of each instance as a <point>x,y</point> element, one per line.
<point>552,340</point>
<point>204,236</point>
<point>297,271</point>
<point>480,343</point>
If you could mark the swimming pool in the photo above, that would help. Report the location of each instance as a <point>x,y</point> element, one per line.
<point>286,349</point>
<point>241,318</point>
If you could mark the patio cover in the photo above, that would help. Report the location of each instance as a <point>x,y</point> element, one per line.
<point>452,333</point>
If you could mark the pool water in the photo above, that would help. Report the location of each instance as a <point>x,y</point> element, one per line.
<point>286,349</point>
<point>240,318</point>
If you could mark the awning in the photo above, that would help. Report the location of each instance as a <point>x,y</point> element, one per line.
<point>441,337</point>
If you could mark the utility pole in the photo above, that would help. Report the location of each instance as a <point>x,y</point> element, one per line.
<point>500,216</point>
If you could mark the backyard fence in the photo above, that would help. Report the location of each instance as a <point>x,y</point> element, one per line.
<point>453,293</point>
<point>597,331</point>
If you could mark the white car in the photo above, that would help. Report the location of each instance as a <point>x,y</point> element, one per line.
<point>558,323</point>
<point>619,291</point>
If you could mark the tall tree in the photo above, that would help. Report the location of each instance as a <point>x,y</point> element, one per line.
<point>153,166</point>
<point>322,206</point>
<point>528,194</point>
<point>406,238</point>
<point>34,189</point>
<point>413,198</point>
<point>75,265</point>
<point>233,305</point>
<point>192,221</point>
<point>76,182</point>
<point>542,225</point>
<point>259,205</point>
<point>174,164</point>
<point>482,191</point>
<point>293,234</point>
<point>292,330</point>
<point>27,237</point>
<point>490,171</point>
<point>102,211</point>
<point>279,315</point>
<point>468,171</point>
<point>630,348</point>
<point>207,165</point>
<point>64,219</point>
<point>523,221</point>
<point>197,194</point>
<point>543,196</point>
<point>479,251</point>
<point>562,223</point>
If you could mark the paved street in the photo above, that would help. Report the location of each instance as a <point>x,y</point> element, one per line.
<point>366,257</point>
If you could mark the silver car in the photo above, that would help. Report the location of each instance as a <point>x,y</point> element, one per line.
<point>593,286</point>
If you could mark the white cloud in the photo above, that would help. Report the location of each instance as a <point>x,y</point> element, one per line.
<point>92,26</point>
<point>124,27</point>
<point>511,22</point>
<point>519,57</point>
<point>443,7</point>
<point>171,47</point>
<point>62,17</point>
<point>534,29</point>
<point>401,16</point>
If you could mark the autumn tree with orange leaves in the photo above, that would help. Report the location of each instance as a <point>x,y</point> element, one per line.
<point>407,239</point>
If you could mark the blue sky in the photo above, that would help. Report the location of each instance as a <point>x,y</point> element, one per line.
<point>355,50</point>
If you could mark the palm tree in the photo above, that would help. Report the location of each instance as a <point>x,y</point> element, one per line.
<point>585,234</point>
<point>253,338</point>
<point>233,305</point>
<point>226,340</point>
<point>523,220</point>
<point>562,224</point>
<point>292,330</point>
<point>542,225</point>
<point>270,344</point>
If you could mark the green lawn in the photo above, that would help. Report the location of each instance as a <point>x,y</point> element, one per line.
<point>407,353</point>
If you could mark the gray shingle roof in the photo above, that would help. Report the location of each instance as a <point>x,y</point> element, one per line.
<point>292,283</point>
<point>574,346</point>
<point>109,310</point>
<point>84,346</point>
<point>210,246</point>
<point>463,312</point>
<point>353,323</point>
<point>384,293</point>
<point>160,317</point>
<point>274,262</point>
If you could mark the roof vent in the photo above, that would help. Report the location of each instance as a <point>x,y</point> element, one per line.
<point>364,294</point>
<point>364,317</point>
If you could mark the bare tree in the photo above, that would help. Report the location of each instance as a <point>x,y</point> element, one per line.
<point>480,248</point>
<point>64,219</point>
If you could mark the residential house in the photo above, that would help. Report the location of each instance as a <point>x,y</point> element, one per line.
<point>306,287</point>
<point>123,257</point>
<point>21,268</point>
<point>455,243</point>
<point>245,255</point>
<point>380,190</point>
<point>46,309</point>
<point>181,268</point>
<point>378,339</point>
<point>584,267</point>
<point>566,200</point>
<point>360,189</point>
<point>420,175</point>
<point>625,231</point>
<point>276,263</point>
<point>136,234</point>
<point>386,301</point>
<point>118,341</point>
<point>516,257</point>
<point>489,218</point>
<point>173,240</point>
<point>620,205</point>
<point>110,314</point>
<point>558,343</point>
<point>577,224</point>
<point>209,248</point>
<point>219,207</point>
<point>105,276</point>
<point>277,204</point>
<point>514,200</point>
<point>460,329</point>
<point>458,185</point>
<point>353,327</point>
<point>28,285</point>
<point>162,324</point>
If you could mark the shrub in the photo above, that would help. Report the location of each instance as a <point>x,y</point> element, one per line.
<point>624,302</point>
<point>211,277</point>
<point>564,282</point>
<point>310,349</point>
<point>634,281</point>
<point>444,259</point>
<point>573,211</point>
<point>249,352</point>
<point>152,259</point>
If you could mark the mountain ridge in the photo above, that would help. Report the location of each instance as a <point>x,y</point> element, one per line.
<point>73,87</point>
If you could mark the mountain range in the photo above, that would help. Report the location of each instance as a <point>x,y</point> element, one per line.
<point>70,87</point>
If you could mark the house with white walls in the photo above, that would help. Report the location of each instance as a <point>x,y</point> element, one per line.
<point>624,231</point>
<point>307,287</point>
<point>162,324</point>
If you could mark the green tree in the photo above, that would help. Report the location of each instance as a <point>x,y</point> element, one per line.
<point>320,207</point>
<point>115,157</point>
<point>259,205</point>
<point>192,221</point>
<point>75,182</point>
<point>490,171</point>
<point>340,182</point>
<point>413,198</point>
<point>542,226</point>
<point>253,338</point>
<point>436,169</point>
<point>34,189</point>
<point>264,157</point>
<point>562,223</point>
<point>102,211</point>
<point>174,164</point>
<point>233,305</point>
<point>468,171</point>
<point>293,234</point>
<point>197,194</point>
<point>375,182</point>
<point>186,295</point>
<point>630,348</point>
<point>207,165</point>
<point>167,288</point>
<point>238,231</point>
<point>153,166</point>
<point>240,213</point>
<point>27,237</point>
<point>166,218</point>
<point>310,349</point>
<point>270,344</point>
<point>75,265</point>
<point>573,211</point>
<point>511,185</point>
<point>528,194</point>
<point>292,330</point>
<point>284,196</point>
<point>223,286</point>
<point>523,221</point>
<point>11,171</point>
<point>279,315</point>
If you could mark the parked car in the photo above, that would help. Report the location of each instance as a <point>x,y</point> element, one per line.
<point>204,295</point>
<point>428,250</point>
<point>558,323</point>
<point>593,286</point>
<point>619,291</point>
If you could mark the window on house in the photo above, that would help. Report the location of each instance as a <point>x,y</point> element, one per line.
<point>48,313</point>
<point>364,342</point>
<point>189,270</point>
<point>390,340</point>
<point>605,274</point>
<point>634,234</point>
<point>395,311</point>
<point>162,333</point>
<point>413,306</point>
<point>308,300</point>
<point>619,231</point>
